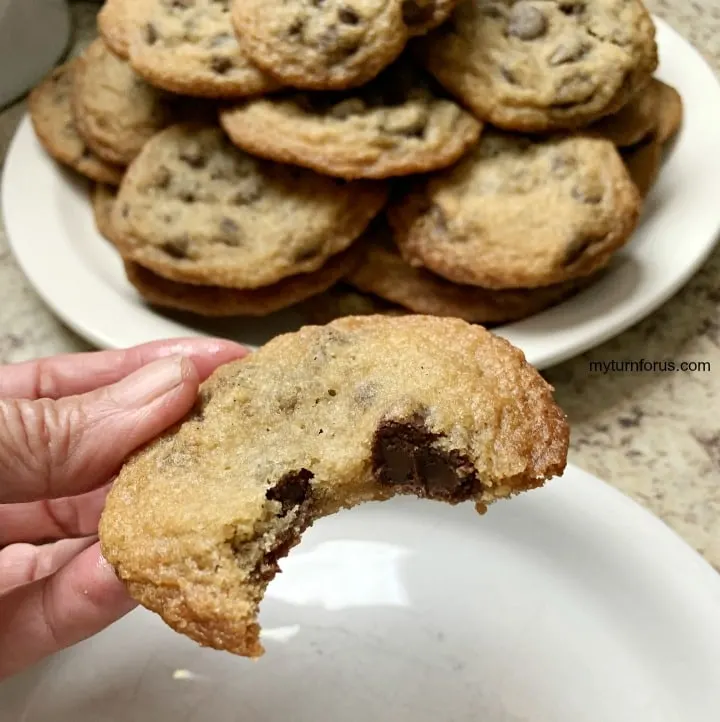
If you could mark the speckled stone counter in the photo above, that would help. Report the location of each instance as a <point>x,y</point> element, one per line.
<point>654,436</point>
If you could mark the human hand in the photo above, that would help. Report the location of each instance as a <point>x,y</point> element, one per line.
<point>66,424</point>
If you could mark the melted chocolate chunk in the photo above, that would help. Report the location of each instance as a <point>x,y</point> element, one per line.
<point>291,490</point>
<point>405,455</point>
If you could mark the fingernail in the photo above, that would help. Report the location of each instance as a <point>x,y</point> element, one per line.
<point>152,381</point>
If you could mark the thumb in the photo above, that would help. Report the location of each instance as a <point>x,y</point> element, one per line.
<point>51,449</point>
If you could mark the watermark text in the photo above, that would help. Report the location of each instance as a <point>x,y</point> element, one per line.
<point>648,366</point>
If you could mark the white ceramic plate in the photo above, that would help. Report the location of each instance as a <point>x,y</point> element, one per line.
<point>51,231</point>
<point>568,604</point>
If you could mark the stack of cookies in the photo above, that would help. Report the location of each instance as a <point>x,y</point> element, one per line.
<point>483,159</point>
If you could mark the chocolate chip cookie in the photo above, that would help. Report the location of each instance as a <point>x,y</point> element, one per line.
<point>116,111</point>
<point>112,24</point>
<point>51,114</point>
<point>396,125</point>
<point>669,114</point>
<point>217,302</point>
<point>331,44</point>
<point>194,208</point>
<point>362,409</point>
<point>343,300</point>
<point>634,121</point>
<point>103,200</point>
<point>519,212</point>
<point>188,47</point>
<point>539,65</point>
<point>643,162</point>
<point>383,273</point>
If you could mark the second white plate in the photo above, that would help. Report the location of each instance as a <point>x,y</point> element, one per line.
<point>52,234</point>
<point>566,604</point>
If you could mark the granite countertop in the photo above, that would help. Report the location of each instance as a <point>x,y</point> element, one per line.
<point>656,437</point>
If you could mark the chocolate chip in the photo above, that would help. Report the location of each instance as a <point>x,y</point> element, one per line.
<point>348,16</point>
<point>177,248</point>
<point>306,254</point>
<point>151,34</point>
<point>572,7</point>
<point>561,166</point>
<point>288,403</point>
<point>526,22</point>
<point>296,28</point>
<point>591,195</point>
<point>417,12</point>
<point>229,227</point>
<point>439,219</point>
<point>406,455</point>
<point>220,65</point>
<point>162,178</point>
<point>328,39</point>
<point>577,248</point>
<point>568,53</point>
<point>291,490</point>
<point>348,107</point>
<point>182,4</point>
<point>246,195</point>
<point>221,40</point>
<point>194,157</point>
<point>187,197</point>
<point>508,75</point>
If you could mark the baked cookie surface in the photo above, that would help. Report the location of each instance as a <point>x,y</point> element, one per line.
<point>103,200</point>
<point>116,111</point>
<point>519,212</point>
<point>344,300</point>
<point>333,44</point>
<point>538,65</point>
<point>643,162</point>
<point>634,121</point>
<point>188,47</point>
<point>670,112</point>
<point>112,24</point>
<point>196,521</point>
<point>383,273</point>
<point>215,301</point>
<point>193,208</point>
<point>50,105</point>
<point>218,302</point>
<point>395,125</point>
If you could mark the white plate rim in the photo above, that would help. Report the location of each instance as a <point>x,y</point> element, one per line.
<point>104,316</point>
